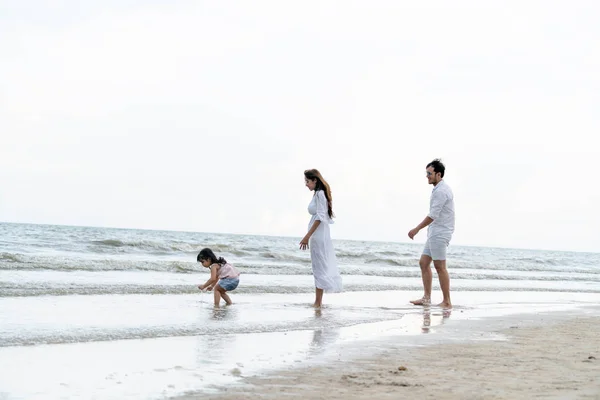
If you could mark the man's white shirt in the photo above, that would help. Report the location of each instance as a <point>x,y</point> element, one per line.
<point>441,210</point>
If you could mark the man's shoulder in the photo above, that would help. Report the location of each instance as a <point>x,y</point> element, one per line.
<point>444,186</point>
<point>442,190</point>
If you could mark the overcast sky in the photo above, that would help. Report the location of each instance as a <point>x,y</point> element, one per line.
<point>202,116</point>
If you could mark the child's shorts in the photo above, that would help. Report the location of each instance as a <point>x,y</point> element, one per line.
<point>229,283</point>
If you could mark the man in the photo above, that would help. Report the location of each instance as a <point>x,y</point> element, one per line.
<point>440,222</point>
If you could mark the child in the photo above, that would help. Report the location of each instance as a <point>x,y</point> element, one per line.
<point>223,276</point>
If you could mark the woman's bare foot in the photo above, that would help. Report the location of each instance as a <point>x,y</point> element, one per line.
<point>316,305</point>
<point>424,301</point>
<point>446,305</point>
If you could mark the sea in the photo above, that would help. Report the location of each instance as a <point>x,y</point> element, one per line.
<point>89,312</point>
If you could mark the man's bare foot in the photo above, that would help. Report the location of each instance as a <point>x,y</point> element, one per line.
<point>446,305</point>
<point>424,301</point>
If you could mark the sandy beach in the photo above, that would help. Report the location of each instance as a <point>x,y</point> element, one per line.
<point>549,358</point>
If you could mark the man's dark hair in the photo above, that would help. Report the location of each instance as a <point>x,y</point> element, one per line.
<point>437,166</point>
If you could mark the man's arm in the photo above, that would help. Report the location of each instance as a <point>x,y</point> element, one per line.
<point>438,199</point>
<point>428,220</point>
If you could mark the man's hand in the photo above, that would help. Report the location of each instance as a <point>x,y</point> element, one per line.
<point>413,232</point>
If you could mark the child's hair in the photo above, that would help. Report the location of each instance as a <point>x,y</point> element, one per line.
<point>207,254</point>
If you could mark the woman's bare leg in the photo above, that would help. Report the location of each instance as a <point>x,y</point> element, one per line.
<point>318,297</point>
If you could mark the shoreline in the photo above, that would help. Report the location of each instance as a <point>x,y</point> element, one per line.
<point>549,355</point>
<point>247,350</point>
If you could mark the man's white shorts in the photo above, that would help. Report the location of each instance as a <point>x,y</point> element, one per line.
<point>436,247</point>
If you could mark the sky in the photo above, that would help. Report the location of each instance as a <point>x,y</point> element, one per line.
<point>202,116</point>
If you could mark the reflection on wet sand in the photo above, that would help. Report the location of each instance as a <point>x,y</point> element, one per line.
<point>223,313</point>
<point>427,313</point>
<point>322,338</point>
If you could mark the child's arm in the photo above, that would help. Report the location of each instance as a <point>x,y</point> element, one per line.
<point>212,281</point>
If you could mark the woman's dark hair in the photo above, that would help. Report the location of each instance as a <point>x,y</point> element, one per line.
<point>322,184</point>
<point>207,254</point>
<point>437,166</point>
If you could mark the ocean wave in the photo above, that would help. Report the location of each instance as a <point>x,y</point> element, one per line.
<point>285,257</point>
<point>400,268</point>
<point>536,260</point>
<point>515,267</point>
<point>23,262</point>
<point>171,256</point>
<point>161,247</point>
<point>350,253</point>
<point>116,245</point>
<point>384,255</point>
<point>18,290</point>
<point>11,257</point>
<point>402,262</point>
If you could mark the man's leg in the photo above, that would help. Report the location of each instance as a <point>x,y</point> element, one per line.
<point>444,277</point>
<point>427,277</point>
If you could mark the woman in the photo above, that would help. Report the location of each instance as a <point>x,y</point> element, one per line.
<point>318,238</point>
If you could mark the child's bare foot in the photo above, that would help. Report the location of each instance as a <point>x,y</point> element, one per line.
<point>446,305</point>
<point>316,305</point>
<point>423,301</point>
<point>228,304</point>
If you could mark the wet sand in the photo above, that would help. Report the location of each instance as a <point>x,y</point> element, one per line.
<point>550,358</point>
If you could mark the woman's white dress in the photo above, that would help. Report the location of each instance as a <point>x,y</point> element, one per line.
<point>324,263</point>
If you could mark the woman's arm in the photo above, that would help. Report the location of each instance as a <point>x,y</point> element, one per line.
<point>322,216</point>
<point>304,241</point>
